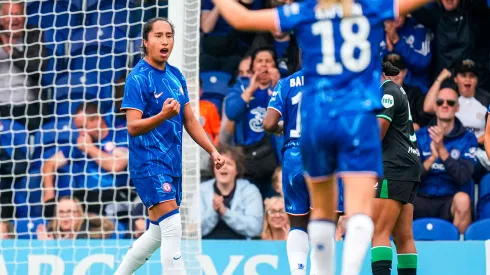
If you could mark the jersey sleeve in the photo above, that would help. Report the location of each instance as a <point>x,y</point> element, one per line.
<point>385,9</point>
<point>288,16</point>
<point>135,94</point>
<point>276,102</point>
<point>184,90</point>
<point>390,100</point>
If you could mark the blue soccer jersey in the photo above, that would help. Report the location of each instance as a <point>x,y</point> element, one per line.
<point>87,173</point>
<point>286,99</point>
<point>341,57</point>
<point>159,151</point>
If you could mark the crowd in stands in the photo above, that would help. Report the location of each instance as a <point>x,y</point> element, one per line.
<point>73,181</point>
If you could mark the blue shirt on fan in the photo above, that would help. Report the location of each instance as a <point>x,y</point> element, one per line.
<point>342,60</point>
<point>87,173</point>
<point>286,99</point>
<point>249,117</point>
<point>158,151</point>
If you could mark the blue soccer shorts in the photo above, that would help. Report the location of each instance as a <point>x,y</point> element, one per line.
<point>340,143</point>
<point>159,188</point>
<point>296,194</point>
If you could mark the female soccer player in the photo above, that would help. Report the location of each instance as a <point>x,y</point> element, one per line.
<point>156,104</point>
<point>339,127</point>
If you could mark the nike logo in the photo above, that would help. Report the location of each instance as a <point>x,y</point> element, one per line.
<point>177,258</point>
<point>158,95</point>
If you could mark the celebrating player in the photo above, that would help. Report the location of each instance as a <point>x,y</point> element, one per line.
<point>156,104</point>
<point>285,102</point>
<point>393,206</point>
<point>340,131</point>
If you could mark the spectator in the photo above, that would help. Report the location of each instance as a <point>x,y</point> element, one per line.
<point>13,166</point>
<point>246,106</point>
<point>415,96</point>
<point>138,220</point>
<point>99,227</point>
<point>244,73</point>
<point>448,156</point>
<point>222,46</point>
<point>231,207</point>
<point>98,162</point>
<point>460,32</point>
<point>21,63</point>
<point>69,222</point>
<point>276,222</point>
<point>473,101</point>
<point>277,181</point>
<point>6,230</point>
<point>410,40</point>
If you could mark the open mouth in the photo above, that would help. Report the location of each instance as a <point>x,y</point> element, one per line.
<point>467,86</point>
<point>164,51</point>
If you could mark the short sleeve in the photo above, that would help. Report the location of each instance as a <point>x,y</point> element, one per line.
<point>135,96</point>
<point>206,5</point>
<point>288,16</point>
<point>276,102</point>
<point>184,90</point>
<point>387,9</point>
<point>389,102</point>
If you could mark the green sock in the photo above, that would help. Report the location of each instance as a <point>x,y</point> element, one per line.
<point>407,264</point>
<point>381,257</point>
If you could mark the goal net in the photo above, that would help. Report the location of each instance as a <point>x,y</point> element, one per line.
<point>67,202</point>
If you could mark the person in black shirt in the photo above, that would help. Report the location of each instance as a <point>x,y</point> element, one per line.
<point>393,206</point>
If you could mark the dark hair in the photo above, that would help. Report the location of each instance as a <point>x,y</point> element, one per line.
<point>389,69</point>
<point>449,84</point>
<point>263,49</point>
<point>236,154</point>
<point>88,108</point>
<point>147,29</point>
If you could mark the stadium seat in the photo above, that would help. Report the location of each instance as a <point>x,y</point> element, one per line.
<point>433,229</point>
<point>26,228</point>
<point>13,133</point>
<point>109,37</point>
<point>484,186</point>
<point>49,14</point>
<point>478,231</point>
<point>215,87</point>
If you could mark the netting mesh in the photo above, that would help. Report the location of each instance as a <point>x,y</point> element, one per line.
<point>64,178</point>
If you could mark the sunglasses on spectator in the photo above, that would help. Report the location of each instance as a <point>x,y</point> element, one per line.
<point>450,102</point>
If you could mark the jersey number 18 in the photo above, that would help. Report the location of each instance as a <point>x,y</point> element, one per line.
<point>352,40</point>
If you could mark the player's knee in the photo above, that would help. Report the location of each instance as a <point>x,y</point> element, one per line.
<point>461,203</point>
<point>171,226</point>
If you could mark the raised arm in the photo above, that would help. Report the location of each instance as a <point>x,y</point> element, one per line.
<point>138,125</point>
<point>241,18</point>
<point>49,168</point>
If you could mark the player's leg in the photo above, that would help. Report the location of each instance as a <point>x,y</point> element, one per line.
<point>461,211</point>
<point>297,202</point>
<point>359,165</point>
<point>385,214</point>
<point>321,228</point>
<point>144,247</point>
<point>405,244</point>
<point>166,211</point>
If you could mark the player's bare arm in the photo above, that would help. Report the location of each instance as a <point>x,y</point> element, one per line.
<point>271,121</point>
<point>384,124</point>
<point>241,18</point>
<point>197,133</point>
<point>138,125</point>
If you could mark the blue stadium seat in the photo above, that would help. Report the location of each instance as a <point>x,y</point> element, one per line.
<point>483,206</point>
<point>55,44</point>
<point>215,87</point>
<point>13,133</point>
<point>484,186</point>
<point>78,87</point>
<point>58,14</point>
<point>26,228</point>
<point>478,231</point>
<point>433,229</point>
<point>110,37</point>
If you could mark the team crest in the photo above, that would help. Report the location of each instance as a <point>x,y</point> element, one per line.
<point>167,187</point>
<point>109,146</point>
<point>455,154</point>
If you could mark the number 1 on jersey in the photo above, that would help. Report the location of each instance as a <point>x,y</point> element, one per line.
<point>296,133</point>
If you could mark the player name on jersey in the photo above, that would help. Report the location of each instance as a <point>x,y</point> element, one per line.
<point>297,81</point>
<point>336,11</point>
